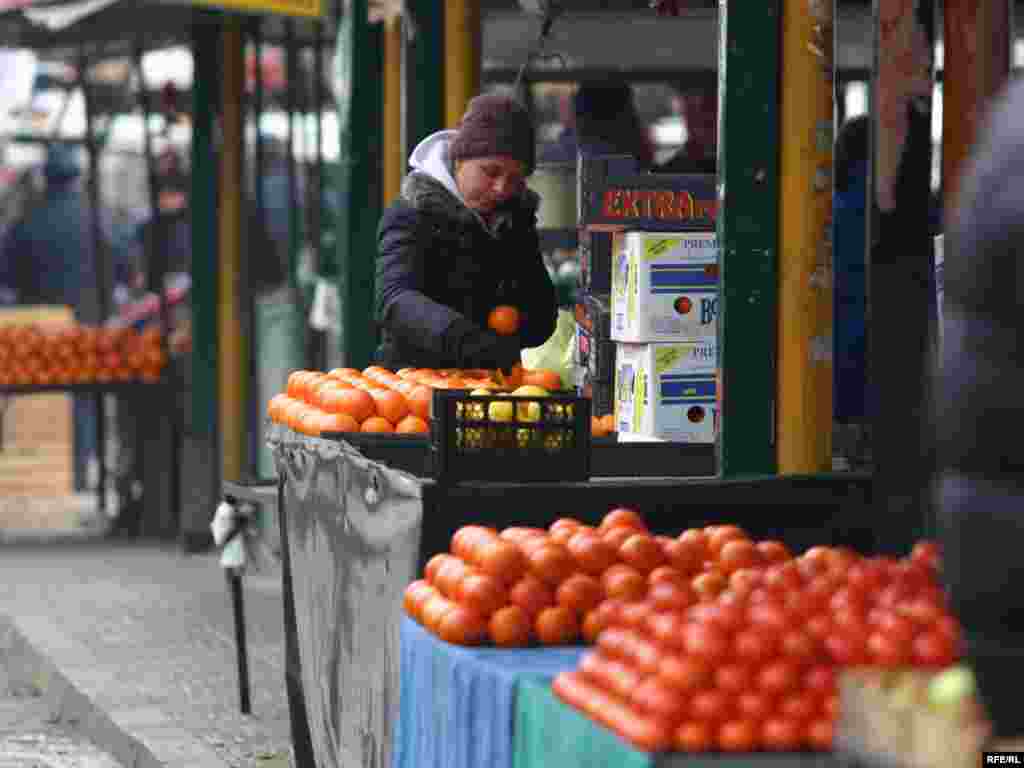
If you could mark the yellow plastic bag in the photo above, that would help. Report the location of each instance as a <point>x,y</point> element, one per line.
<point>555,354</point>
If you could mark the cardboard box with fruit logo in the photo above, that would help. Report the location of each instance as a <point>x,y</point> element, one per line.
<point>666,392</point>
<point>595,259</point>
<point>593,348</point>
<point>664,286</point>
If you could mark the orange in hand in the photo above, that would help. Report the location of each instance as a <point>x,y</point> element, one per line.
<point>503,320</point>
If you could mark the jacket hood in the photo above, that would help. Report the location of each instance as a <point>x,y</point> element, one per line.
<point>431,157</point>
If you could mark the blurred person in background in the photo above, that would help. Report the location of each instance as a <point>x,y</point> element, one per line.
<point>48,257</point>
<point>849,217</point>
<point>980,463</point>
<point>607,122</point>
<point>698,108</point>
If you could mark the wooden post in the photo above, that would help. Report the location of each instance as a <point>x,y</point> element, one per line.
<point>232,379</point>
<point>804,414</point>
<point>748,71</point>
<point>976,62</point>
<point>461,57</point>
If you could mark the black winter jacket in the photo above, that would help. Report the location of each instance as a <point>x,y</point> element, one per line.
<point>440,272</point>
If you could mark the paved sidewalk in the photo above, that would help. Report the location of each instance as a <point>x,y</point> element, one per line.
<point>31,738</point>
<point>137,642</point>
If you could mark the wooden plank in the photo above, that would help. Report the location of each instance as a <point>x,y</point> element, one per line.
<point>804,415</point>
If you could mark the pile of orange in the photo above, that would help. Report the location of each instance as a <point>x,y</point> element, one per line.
<point>382,401</point>
<point>33,355</point>
<point>602,426</point>
<point>744,656</point>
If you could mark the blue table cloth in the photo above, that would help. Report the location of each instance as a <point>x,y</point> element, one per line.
<point>457,705</point>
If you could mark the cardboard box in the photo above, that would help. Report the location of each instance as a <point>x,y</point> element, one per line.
<point>667,391</point>
<point>595,260</point>
<point>613,193</point>
<point>664,287</point>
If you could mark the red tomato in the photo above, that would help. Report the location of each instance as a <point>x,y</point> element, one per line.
<point>865,578</point>
<point>888,649</point>
<point>727,616</point>
<point>800,646</point>
<point>755,645</point>
<point>694,737</point>
<point>820,680</point>
<point>926,553</point>
<point>769,615</point>
<point>850,619</point>
<point>745,580</point>
<point>893,624</point>
<point>923,611</point>
<point>782,735</point>
<point>711,706</point>
<point>850,598</point>
<point>801,707</point>
<point>706,641</point>
<point>778,677</point>
<point>820,734</point>
<point>933,649</point>
<point>734,678</point>
<point>754,705</point>
<point>658,698</point>
<point>738,736</point>
<point>685,673</point>
<point>830,706</point>
<point>667,628</point>
<point>847,647</point>
<point>670,595</point>
<point>820,626</point>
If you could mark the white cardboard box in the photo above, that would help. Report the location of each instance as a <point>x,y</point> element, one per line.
<point>664,286</point>
<point>666,391</point>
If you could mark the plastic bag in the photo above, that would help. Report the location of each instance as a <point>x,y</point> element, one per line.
<point>555,354</point>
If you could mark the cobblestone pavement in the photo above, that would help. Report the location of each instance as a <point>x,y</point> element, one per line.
<point>153,631</point>
<point>30,739</point>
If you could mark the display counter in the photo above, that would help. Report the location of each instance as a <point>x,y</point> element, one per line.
<point>355,532</point>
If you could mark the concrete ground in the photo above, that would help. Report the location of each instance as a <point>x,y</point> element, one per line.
<point>130,647</point>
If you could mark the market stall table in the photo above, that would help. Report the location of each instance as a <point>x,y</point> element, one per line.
<point>355,532</point>
<point>457,705</point>
<point>550,733</point>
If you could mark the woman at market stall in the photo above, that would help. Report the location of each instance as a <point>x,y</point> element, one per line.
<point>461,240</point>
<point>979,416</point>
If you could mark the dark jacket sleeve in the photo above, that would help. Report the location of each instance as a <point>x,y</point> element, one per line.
<point>400,303</point>
<point>536,299</point>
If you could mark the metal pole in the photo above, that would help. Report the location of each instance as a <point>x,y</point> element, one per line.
<point>100,259</point>
<point>261,214</point>
<point>292,66</point>
<point>238,604</point>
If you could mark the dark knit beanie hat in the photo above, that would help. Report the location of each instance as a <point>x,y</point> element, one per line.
<point>495,124</point>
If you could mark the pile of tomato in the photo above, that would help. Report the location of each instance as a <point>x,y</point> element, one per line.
<point>35,355</point>
<point>704,641</point>
<point>753,667</point>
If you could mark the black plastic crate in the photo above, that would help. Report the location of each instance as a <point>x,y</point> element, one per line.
<point>509,437</point>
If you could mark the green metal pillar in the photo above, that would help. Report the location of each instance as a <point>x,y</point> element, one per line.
<point>201,457</point>
<point>359,95</point>
<point>748,232</point>
<point>424,75</point>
